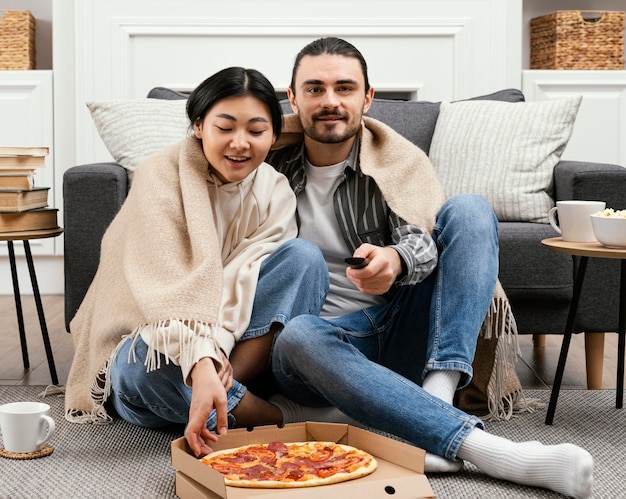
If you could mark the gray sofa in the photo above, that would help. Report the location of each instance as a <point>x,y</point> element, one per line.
<point>538,282</point>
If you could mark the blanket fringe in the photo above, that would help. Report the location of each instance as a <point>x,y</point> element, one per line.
<point>160,336</point>
<point>58,390</point>
<point>187,334</point>
<point>97,416</point>
<point>504,402</point>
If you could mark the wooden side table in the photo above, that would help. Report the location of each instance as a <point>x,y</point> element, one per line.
<point>25,236</point>
<point>586,251</point>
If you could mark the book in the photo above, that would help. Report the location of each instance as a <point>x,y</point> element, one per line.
<point>22,182</point>
<point>22,157</point>
<point>23,151</point>
<point>37,219</point>
<point>17,171</point>
<point>22,200</point>
<point>15,162</point>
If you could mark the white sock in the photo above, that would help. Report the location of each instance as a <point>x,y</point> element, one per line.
<point>563,468</point>
<point>442,384</point>
<point>295,413</point>
<point>438,464</point>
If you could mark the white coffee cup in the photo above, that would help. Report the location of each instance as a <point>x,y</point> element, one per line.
<point>574,219</point>
<point>25,426</point>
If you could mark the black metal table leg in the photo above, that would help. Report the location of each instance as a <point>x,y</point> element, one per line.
<point>621,331</point>
<point>18,305</point>
<point>42,317</point>
<point>567,338</point>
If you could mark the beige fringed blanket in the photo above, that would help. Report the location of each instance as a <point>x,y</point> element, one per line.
<point>168,265</point>
<point>410,185</point>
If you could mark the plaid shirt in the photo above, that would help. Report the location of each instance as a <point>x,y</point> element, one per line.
<point>363,214</point>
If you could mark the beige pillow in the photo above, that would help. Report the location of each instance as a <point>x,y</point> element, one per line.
<point>134,129</point>
<point>503,151</point>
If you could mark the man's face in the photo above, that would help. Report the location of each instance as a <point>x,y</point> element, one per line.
<point>330,97</point>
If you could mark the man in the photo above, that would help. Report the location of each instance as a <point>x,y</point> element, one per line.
<point>395,338</point>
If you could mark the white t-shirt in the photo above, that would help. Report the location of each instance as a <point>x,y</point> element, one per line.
<point>318,224</point>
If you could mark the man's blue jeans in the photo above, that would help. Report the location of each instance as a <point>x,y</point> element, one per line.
<point>370,364</point>
<point>293,280</point>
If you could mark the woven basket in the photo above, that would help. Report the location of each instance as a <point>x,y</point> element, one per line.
<point>575,39</point>
<point>17,39</point>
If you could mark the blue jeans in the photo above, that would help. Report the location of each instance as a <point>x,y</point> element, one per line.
<point>293,280</point>
<point>370,363</point>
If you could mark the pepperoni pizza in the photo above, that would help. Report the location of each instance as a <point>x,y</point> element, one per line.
<point>285,465</point>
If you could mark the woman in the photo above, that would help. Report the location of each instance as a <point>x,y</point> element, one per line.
<point>201,257</point>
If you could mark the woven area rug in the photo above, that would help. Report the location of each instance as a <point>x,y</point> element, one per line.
<point>122,461</point>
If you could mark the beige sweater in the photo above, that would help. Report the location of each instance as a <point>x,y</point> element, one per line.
<point>173,271</point>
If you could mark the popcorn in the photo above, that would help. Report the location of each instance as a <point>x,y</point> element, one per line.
<point>610,212</point>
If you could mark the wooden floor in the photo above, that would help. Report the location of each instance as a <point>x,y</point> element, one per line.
<point>535,367</point>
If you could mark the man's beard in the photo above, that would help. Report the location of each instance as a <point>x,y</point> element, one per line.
<point>330,136</point>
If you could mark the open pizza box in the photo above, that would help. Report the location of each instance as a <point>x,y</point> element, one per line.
<point>400,471</point>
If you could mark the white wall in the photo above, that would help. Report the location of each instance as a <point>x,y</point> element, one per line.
<point>434,49</point>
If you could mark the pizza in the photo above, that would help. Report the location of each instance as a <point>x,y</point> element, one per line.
<point>286,465</point>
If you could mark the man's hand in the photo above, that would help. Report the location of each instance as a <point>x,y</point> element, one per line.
<point>384,266</point>
<point>207,392</point>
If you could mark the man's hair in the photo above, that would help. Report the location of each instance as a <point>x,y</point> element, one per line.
<point>329,46</point>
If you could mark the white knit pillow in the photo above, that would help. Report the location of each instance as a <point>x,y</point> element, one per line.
<point>503,151</point>
<point>134,129</point>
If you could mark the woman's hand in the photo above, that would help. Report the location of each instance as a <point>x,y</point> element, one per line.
<point>226,373</point>
<point>207,393</point>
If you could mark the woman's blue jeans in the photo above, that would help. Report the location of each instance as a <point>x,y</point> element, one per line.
<point>370,364</point>
<point>293,280</point>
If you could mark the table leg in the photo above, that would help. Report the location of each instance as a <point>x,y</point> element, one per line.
<point>18,305</point>
<point>42,317</point>
<point>621,331</point>
<point>567,338</point>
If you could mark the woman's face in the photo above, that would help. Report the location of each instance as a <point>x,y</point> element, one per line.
<point>236,136</point>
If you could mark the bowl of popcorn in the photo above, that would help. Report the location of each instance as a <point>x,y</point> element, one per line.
<point>609,227</point>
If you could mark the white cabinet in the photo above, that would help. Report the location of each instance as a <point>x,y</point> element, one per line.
<point>26,119</point>
<point>599,134</point>
<point>599,131</point>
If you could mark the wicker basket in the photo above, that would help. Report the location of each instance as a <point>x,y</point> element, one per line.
<point>577,39</point>
<point>17,39</point>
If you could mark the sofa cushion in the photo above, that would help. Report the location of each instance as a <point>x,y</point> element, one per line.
<point>133,129</point>
<point>528,270</point>
<point>503,151</point>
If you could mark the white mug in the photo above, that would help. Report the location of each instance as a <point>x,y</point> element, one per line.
<point>574,219</point>
<point>25,426</point>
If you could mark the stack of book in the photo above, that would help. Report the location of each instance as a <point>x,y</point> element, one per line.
<point>23,206</point>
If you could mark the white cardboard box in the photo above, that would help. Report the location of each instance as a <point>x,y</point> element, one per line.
<point>400,472</point>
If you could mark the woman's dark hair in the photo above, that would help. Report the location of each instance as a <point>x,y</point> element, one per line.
<point>234,82</point>
<point>329,46</point>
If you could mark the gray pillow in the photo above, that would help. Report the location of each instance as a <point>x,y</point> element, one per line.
<point>166,94</point>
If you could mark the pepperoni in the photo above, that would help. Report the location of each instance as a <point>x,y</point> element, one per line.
<point>294,474</point>
<point>239,458</point>
<point>262,454</point>
<point>288,465</point>
<point>279,448</point>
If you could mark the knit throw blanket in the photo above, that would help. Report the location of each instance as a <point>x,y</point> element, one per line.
<point>157,263</point>
<point>412,190</point>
